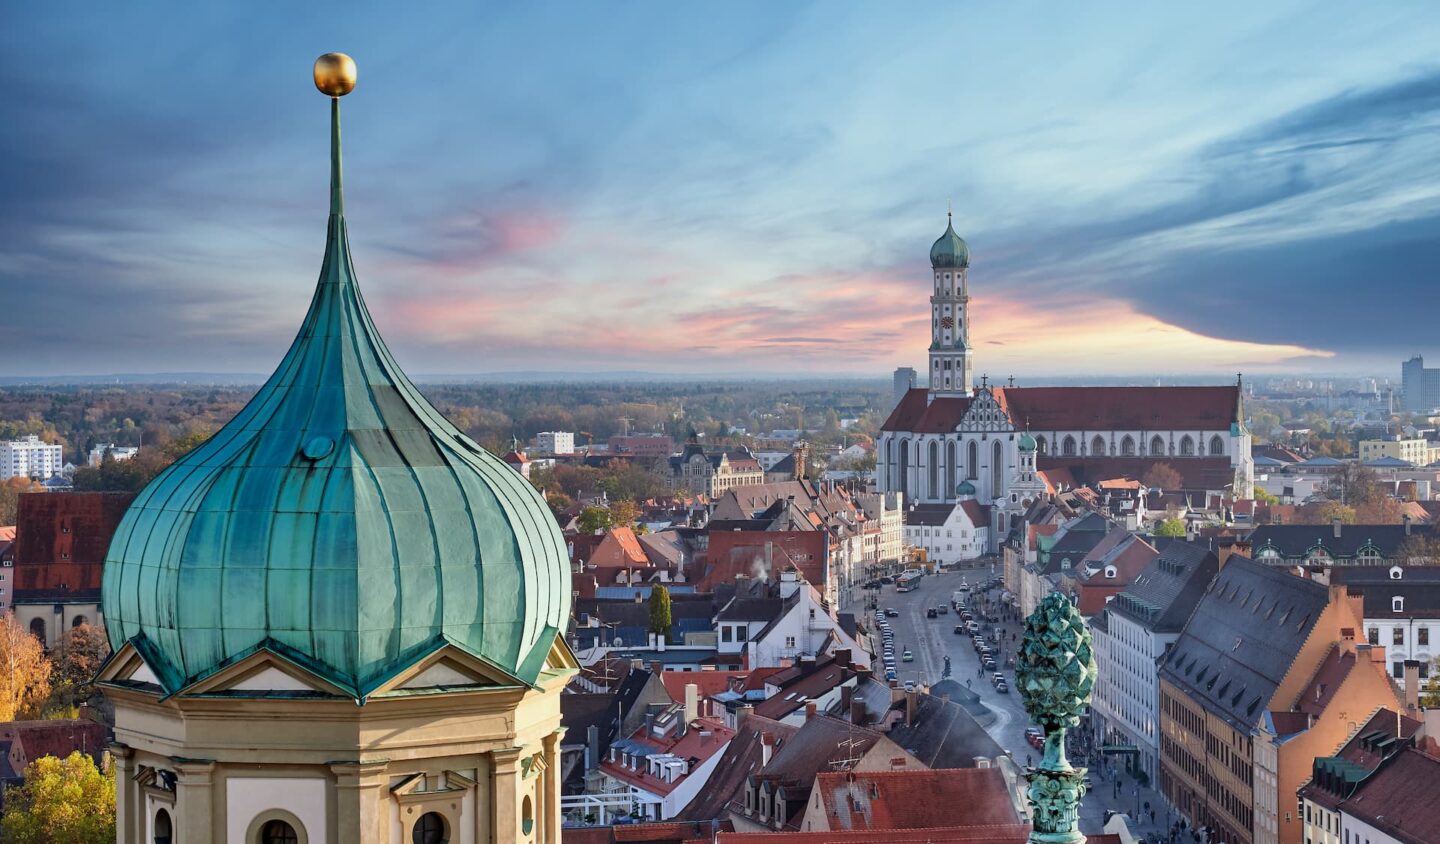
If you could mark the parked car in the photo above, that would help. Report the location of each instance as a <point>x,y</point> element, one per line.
<point>1002,687</point>
<point>891,675</point>
<point>909,685</point>
<point>943,609</point>
<point>997,677</point>
<point>989,664</point>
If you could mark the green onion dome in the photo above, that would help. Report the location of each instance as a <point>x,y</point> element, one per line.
<point>950,250</point>
<point>1027,442</point>
<point>965,488</point>
<point>340,520</point>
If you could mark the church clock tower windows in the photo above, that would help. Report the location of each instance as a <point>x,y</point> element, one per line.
<point>949,305</point>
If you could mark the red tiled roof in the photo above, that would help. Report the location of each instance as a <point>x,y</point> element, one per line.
<point>1121,408</point>
<point>914,414</point>
<point>669,833</point>
<point>694,745</point>
<point>1196,473</point>
<point>1010,834</point>
<point>978,513</point>
<point>1399,798</point>
<point>709,682</point>
<point>916,799</point>
<point>1326,682</point>
<point>7,533</point>
<point>619,548</point>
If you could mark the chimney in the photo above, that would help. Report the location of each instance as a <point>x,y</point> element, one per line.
<point>858,714</point>
<point>809,709</point>
<point>1335,527</point>
<point>910,700</point>
<point>1412,687</point>
<point>742,712</point>
<point>637,664</point>
<point>847,694</point>
<point>767,748</point>
<point>657,667</point>
<point>692,702</point>
<point>842,657</point>
<point>592,746</point>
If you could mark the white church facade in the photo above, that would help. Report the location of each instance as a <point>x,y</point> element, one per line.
<point>1007,446</point>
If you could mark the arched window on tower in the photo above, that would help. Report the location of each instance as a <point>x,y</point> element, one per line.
<point>934,471</point>
<point>997,470</point>
<point>1067,446</point>
<point>1187,446</point>
<point>1217,446</point>
<point>1157,445</point>
<point>950,472</point>
<point>972,469</point>
<point>1097,447</point>
<point>1127,446</point>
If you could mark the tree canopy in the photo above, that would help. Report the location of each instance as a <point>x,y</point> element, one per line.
<point>1171,527</point>
<point>660,610</point>
<point>25,678</point>
<point>67,800</point>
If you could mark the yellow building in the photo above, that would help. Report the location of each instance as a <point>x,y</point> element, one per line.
<point>1419,452</point>
<point>336,621</point>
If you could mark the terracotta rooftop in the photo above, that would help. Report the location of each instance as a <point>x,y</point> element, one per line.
<point>916,799</point>
<point>1399,798</point>
<point>1012,834</point>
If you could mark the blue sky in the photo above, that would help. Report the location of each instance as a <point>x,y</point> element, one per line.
<point>727,188</point>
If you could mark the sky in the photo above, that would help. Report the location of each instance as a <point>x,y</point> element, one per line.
<point>726,188</point>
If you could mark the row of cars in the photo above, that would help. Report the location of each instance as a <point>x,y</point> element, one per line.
<point>887,654</point>
<point>983,648</point>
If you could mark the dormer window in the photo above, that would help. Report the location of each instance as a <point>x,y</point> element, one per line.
<point>1397,604</point>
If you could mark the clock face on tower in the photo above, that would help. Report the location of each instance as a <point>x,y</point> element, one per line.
<point>947,322</point>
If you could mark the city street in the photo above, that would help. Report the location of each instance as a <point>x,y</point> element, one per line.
<point>931,639</point>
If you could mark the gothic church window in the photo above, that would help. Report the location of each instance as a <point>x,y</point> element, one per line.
<point>1127,446</point>
<point>1097,446</point>
<point>997,475</point>
<point>935,470</point>
<point>1067,447</point>
<point>1187,446</point>
<point>950,469</point>
<point>972,471</point>
<point>1157,445</point>
<point>1217,446</point>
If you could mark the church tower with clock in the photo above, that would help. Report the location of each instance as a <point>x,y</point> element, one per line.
<point>949,317</point>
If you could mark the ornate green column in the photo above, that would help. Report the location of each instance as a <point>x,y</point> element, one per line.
<point>1056,675</point>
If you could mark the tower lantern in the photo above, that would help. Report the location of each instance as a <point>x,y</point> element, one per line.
<point>949,315</point>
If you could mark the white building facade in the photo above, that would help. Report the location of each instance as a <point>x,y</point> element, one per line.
<point>555,442</point>
<point>30,458</point>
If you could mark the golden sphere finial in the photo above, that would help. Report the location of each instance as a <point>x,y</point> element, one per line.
<point>335,74</point>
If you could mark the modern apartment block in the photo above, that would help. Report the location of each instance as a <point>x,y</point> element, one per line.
<point>30,458</point>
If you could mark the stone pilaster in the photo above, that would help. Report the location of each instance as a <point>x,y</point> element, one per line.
<point>127,809</point>
<point>550,803</point>
<point>359,803</point>
<point>195,799</point>
<point>505,795</point>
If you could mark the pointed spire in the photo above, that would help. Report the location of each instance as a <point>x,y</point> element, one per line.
<point>337,194</point>
<point>335,77</point>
